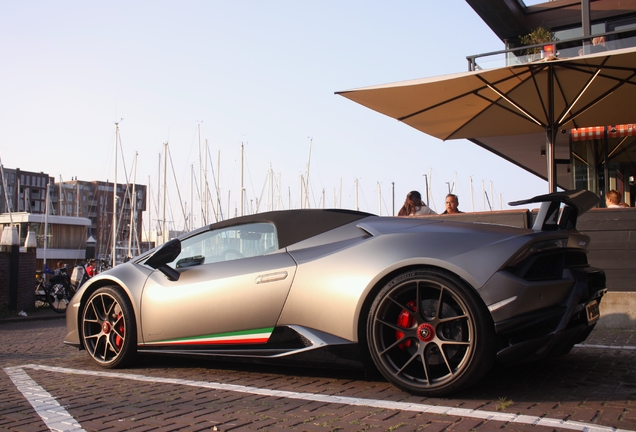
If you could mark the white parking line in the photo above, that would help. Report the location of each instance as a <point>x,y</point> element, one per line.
<point>616,347</point>
<point>44,403</point>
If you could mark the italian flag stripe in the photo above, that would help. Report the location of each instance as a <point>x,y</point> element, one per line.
<point>240,337</point>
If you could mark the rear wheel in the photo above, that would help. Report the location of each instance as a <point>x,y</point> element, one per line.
<point>108,327</point>
<point>430,334</point>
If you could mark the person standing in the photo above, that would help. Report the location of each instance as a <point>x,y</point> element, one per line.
<point>91,268</point>
<point>452,204</point>
<point>414,206</point>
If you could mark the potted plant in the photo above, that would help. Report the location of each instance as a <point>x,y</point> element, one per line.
<point>540,35</point>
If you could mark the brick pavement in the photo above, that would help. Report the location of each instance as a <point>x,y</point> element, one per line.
<point>593,385</point>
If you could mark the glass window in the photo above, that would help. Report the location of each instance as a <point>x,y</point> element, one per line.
<point>228,244</point>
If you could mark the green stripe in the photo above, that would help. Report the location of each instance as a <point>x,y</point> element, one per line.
<point>218,335</point>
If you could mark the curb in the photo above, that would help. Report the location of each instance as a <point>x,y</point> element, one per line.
<point>35,317</point>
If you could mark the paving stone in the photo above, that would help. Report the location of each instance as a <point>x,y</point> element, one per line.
<point>596,386</point>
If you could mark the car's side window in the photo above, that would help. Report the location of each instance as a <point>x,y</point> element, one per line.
<point>227,244</point>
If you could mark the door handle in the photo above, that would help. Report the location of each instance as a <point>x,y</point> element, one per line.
<point>271,277</point>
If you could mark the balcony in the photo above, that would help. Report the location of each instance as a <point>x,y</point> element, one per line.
<point>566,48</point>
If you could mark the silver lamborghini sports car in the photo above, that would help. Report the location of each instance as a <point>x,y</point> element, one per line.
<point>429,303</point>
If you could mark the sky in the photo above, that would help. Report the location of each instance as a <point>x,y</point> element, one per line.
<point>257,74</point>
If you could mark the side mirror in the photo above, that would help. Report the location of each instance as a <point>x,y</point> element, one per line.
<point>165,254</point>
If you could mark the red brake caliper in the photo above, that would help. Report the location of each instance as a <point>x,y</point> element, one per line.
<point>119,341</point>
<point>405,320</point>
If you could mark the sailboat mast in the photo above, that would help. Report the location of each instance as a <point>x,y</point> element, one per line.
<point>392,198</point>
<point>201,176</point>
<point>46,222</point>
<point>149,204</point>
<point>357,206</point>
<point>60,198</point>
<point>219,212</point>
<point>133,207</point>
<point>428,185</point>
<point>311,140</point>
<point>270,194</point>
<point>205,187</point>
<point>6,195</point>
<point>165,169</point>
<point>242,188</point>
<point>191,224</point>
<point>114,227</point>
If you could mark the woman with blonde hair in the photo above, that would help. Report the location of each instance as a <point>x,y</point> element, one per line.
<point>414,206</point>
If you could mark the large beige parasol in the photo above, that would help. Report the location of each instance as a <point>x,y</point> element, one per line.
<point>543,96</point>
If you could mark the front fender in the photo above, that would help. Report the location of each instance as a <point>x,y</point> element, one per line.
<point>130,277</point>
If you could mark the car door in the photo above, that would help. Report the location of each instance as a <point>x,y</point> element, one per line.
<point>232,286</point>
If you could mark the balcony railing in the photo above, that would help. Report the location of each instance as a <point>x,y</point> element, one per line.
<point>565,48</point>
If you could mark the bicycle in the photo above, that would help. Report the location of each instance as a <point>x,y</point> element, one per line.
<point>57,292</point>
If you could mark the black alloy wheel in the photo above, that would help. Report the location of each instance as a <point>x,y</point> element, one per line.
<point>430,334</point>
<point>109,332</point>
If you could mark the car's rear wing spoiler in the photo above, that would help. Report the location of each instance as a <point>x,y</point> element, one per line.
<point>552,217</point>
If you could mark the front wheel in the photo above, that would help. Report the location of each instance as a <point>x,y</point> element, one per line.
<point>429,334</point>
<point>109,332</point>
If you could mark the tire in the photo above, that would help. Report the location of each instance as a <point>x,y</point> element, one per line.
<point>57,297</point>
<point>108,328</point>
<point>444,345</point>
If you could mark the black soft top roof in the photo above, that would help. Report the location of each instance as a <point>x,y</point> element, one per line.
<point>294,226</point>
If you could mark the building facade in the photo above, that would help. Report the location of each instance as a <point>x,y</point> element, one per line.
<point>26,192</point>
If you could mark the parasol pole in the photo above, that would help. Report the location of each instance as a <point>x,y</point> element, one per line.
<point>551,134</point>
